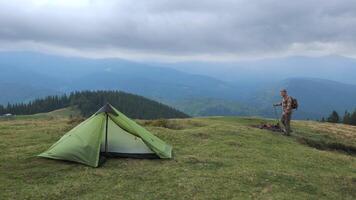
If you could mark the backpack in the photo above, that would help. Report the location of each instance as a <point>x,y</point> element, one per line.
<point>294,103</point>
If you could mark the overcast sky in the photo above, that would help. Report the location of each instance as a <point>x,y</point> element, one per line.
<point>180,29</point>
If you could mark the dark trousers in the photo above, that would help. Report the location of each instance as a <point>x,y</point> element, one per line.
<point>285,119</point>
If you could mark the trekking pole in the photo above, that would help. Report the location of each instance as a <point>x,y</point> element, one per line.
<point>276,114</point>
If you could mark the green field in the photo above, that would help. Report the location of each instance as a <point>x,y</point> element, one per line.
<point>214,158</point>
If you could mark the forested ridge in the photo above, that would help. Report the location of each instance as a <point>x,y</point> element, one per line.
<point>88,102</point>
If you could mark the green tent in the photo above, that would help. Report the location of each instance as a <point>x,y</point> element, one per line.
<point>107,133</point>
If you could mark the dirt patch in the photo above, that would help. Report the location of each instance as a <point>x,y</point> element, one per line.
<point>314,143</point>
<point>329,146</point>
<point>345,133</point>
<point>269,127</point>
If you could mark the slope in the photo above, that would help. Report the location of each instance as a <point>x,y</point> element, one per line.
<point>214,158</point>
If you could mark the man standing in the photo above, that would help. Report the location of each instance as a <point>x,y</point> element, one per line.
<point>287,111</point>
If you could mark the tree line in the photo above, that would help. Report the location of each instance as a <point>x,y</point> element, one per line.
<point>88,102</point>
<point>348,118</point>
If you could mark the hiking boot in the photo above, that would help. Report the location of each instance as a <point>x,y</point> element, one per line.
<point>285,132</point>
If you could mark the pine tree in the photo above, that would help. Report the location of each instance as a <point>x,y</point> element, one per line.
<point>323,119</point>
<point>334,117</point>
<point>347,118</point>
<point>353,118</point>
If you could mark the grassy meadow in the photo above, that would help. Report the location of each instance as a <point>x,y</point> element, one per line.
<point>214,158</point>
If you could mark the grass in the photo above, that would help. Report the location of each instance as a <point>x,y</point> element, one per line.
<point>327,136</point>
<point>214,158</point>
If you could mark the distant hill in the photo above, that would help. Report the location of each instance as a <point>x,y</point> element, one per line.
<point>336,68</point>
<point>88,102</point>
<point>21,84</point>
<point>17,92</point>
<point>65,74</point>
<point>214,107</point>
<point>237,88</point>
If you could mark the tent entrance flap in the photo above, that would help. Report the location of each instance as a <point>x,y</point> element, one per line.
<point>120,142</point>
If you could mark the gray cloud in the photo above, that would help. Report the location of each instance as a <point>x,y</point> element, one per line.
<point>181,29</point>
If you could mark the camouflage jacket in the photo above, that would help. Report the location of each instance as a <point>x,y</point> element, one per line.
<point>286,104</point>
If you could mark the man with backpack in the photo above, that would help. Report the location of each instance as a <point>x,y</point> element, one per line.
<point>288,104</point>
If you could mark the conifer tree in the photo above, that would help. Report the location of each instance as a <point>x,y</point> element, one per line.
<point>353,118</point>
<point>334,117</point>
<point>347,118</point>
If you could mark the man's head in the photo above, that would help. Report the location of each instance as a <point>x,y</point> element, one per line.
<point>283,93</point>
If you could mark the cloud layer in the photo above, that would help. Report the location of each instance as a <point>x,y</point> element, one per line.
<point>180,29</point>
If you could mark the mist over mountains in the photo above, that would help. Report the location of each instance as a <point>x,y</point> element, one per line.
<point>336,68</point>
<point>242,88</point>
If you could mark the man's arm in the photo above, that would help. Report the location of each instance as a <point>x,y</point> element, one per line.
<point>278,104</point>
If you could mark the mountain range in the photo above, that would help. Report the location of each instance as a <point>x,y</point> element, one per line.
<point>243,88</point>
<point>336,68</point>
